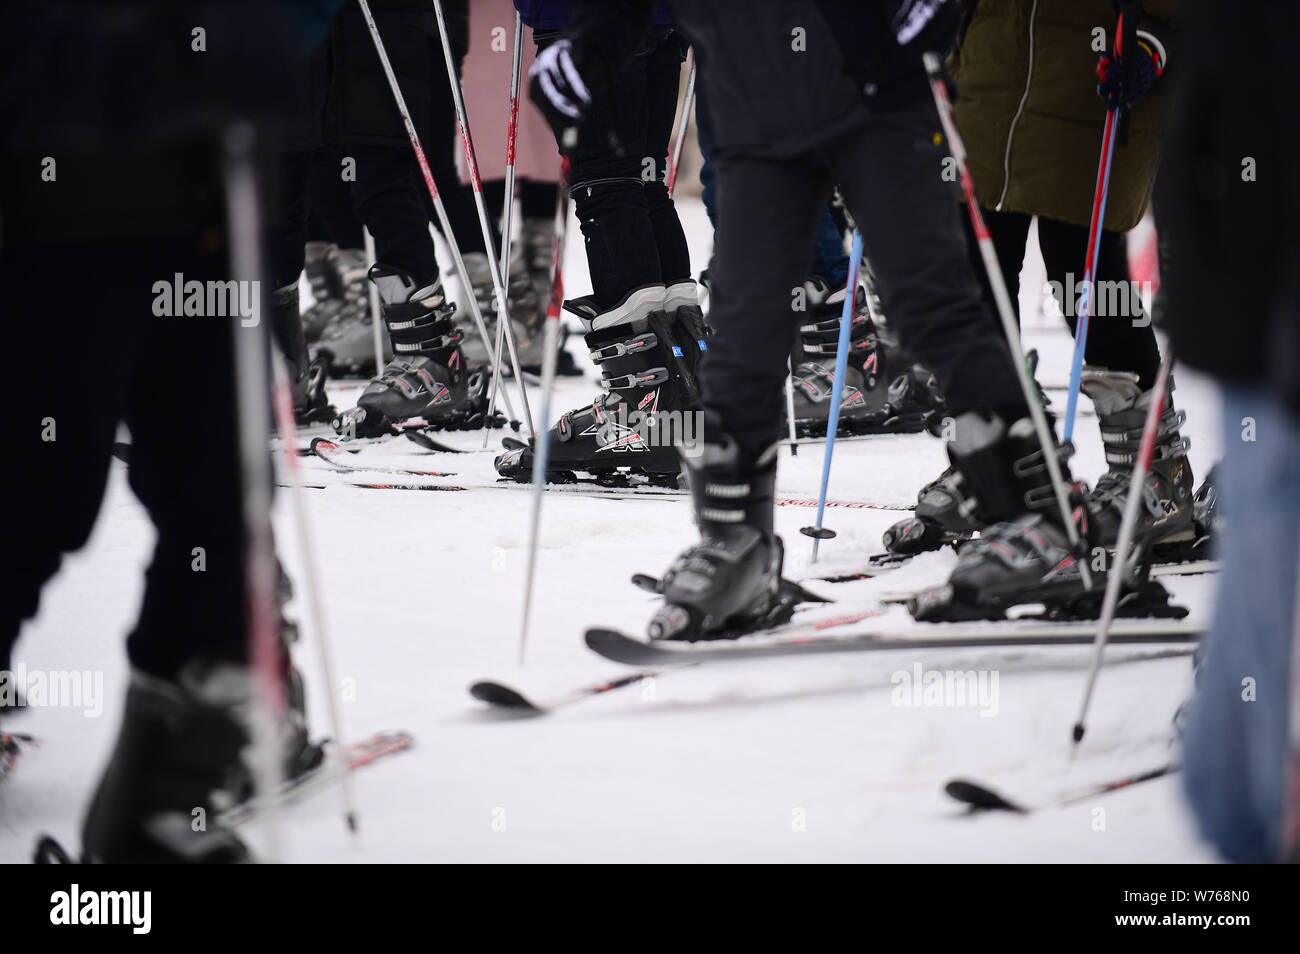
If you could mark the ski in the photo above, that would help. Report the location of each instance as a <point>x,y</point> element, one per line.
<point>501,696</point>
<point>884,563</point>
<point>354,756</point>
<point>809,638</point>
<point>334,455</point>
<point>981,798</point>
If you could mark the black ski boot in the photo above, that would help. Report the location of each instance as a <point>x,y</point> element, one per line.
<point>730,582</point>
<point>649,409</point>
<point>943,515</point>
<point>178,751</point>
<point>1167,520</point>
<point>1024,554</point>
<point>879,396</point>
<point>427,378</point>
<point>341,325</point>
<point>306,376</point>
<point>526,314</point>
<point>325,283</point>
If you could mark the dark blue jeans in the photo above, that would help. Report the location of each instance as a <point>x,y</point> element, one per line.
<point>633,236</point>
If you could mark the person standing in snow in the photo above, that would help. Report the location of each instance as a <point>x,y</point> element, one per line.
<point>1028,76</point>
<point>642,321</point>
<point>1229,205</point>
<point>798,96</point>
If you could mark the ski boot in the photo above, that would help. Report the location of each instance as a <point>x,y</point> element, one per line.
<point>1167,520</point>
<point>1024,554</point>
<point>426,378</point>
<point>537,248</point>
<point>178,750</point>
<point>326,285</point>
<point>526,316</point>
<point>647,358</point>
<point>306,376</point>
<point>943,515</point>
<point>1205,505</point>
<point>729,583</point>
<point>875,399</point>
<point>342,325</point>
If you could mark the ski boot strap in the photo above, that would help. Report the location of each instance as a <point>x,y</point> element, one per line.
<point>415,329</point>
<point>649,378</point>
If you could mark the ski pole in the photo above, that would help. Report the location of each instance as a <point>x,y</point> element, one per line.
<point>819,532</point>
<point>498,284</point>
<point>250,352</point>
<point>542,442</point>
<point>1100,192</point>
<point>934,67</point>
<point>1127,528</point>
<point>252,356</point>
<point>670,180</point>
<point>789,412</point>
<point>434,195</point>
<point>508,195</point>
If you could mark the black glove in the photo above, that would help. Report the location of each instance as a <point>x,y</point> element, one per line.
<point>556,85</point>
<point>1148,64</point>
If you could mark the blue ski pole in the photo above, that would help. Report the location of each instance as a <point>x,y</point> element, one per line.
<point>818,532</point>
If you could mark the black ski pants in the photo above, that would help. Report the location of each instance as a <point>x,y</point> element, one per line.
<point>630,225</point>
<point>1120,336</point>
<point>81,363</point>
<point>768,213</point>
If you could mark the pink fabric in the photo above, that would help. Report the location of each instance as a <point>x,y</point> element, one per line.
<point>485,78</point>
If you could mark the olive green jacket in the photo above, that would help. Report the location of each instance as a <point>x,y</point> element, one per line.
<point>1030,116</point>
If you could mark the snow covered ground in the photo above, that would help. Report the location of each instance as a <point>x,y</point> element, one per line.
<point>770,760</point>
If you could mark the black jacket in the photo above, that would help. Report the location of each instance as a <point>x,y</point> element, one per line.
<point>778,77</point>
<point>1228,199</point>
<point>359,107</point>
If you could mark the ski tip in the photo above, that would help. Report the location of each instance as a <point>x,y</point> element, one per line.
<point>647,582</point>
<point>978,797</point>
<point>319,443</point>
<point>818,533</point>
<point>493,693</point>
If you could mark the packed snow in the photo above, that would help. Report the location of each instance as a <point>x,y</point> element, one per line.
<point>793,759</point>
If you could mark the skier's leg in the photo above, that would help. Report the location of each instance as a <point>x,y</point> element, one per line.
<point>63,439</point>
<point>909,221</point>
<point>767,216</point>
<point>906,211</point>
<point>1010,231</point>
<point>1123,358</point>
<point>195,577</point>
<point>608,194</point>
<point>1235,747</point>
<point>427,376</point>
<point>663,72</point>
<point>1120,336</point>
<point>647,352</point>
